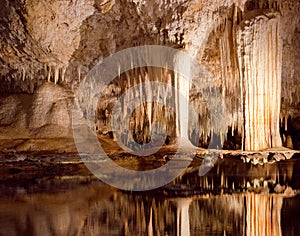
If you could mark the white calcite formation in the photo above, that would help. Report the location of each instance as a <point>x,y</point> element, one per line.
<point>259,58</point>
<point>250,49</point>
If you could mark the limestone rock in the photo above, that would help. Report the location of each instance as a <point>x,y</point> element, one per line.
<point>51,107</point>
<point>43,42</point>
<point>10,107</point>
<point>279,189</point>
<point>13,118</point>
<point>289,192</point>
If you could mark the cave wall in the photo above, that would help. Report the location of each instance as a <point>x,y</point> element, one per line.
<point>51,46</point>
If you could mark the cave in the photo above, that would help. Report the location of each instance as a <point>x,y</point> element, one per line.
<point>250,50</point>
<point>150,83</point>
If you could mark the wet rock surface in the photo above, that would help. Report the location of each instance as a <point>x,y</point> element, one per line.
<point>229,174</point>
<point>64,198</point>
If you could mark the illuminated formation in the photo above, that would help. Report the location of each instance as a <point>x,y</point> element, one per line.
<point>250,49</point>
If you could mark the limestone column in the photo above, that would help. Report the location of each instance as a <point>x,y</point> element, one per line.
<point>182,84</point>
<point>259,49</point>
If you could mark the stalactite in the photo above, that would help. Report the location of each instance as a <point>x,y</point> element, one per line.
<point>250,54</point>
<point>49,74</point>
<point>230,73</point>
<point>63,72</point>
<point>177,125</point>
<point>79,73</point>
<point>56,74</point>
<point>259,54</point>
<point>23,74</point>
<point>119,71</point>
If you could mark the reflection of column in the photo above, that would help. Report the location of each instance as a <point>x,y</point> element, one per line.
<point>183,219</point>
<point>263,215</point>
<point>150,225</point>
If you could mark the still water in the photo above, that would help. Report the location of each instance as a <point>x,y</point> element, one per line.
<point>232,199</point>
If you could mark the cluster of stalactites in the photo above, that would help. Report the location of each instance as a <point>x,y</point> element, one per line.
<point>55,73</point>
<point>130,87</point>
<point>26,79</point>
<point>50,73</point>
<point>250,55</point>
<point>203,103</point>
<point>230,79</point>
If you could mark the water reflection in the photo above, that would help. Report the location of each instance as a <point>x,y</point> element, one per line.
<point>191,205</point>
<point>96,209</point>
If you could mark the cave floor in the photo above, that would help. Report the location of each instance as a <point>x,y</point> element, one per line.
<point>51,187</point>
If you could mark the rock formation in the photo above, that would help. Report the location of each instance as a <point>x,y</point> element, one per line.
<point>259,56</point>
<point>250,49</point>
